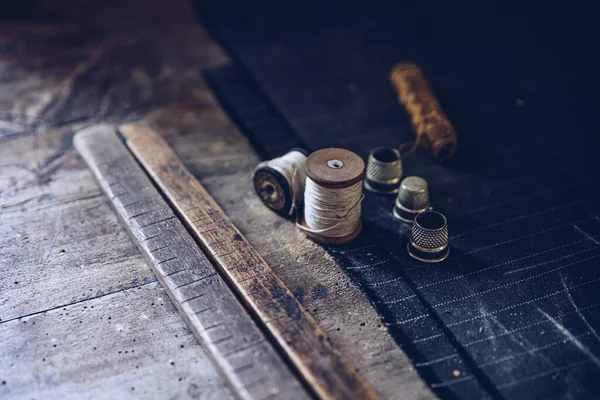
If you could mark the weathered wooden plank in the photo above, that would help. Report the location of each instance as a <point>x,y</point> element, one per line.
<point>56,231</point>
<point>126,345</point>
<point>78,247</point>
<point>42,170</point>
<point>65,247</point>
<point>238,347</point>
<point>330,374</point>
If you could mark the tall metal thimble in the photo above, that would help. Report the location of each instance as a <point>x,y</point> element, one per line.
<point>413,199</point>
<point>429,238</point>
<point>384,170</point>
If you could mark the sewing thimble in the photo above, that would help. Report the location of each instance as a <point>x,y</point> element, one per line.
<point>413,199</point>
<point>384,170</point>
<point>429,237</point>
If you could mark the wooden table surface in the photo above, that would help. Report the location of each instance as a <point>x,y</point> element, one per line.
<point>81,313</point>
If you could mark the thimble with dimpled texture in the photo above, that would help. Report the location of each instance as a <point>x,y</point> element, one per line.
<point>429,237</point>
<point>384,170</point>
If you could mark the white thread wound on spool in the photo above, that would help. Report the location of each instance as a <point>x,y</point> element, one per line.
<point>292,167</point>
<point>332,212</point>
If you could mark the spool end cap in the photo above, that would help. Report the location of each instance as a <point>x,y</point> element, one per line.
<point>335,168</point>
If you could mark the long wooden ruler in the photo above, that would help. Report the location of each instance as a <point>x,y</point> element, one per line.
<point>231,337</point>
<point>301,340</point>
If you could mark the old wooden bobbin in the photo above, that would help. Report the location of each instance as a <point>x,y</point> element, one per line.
<point>334,168</point>
<point>279,190</point>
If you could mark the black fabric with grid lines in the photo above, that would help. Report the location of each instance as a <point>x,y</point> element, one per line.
<point>515,311</point>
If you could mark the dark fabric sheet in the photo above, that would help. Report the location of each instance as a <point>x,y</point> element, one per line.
<point>515,311</point>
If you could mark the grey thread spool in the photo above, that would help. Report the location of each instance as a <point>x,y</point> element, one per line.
<point>280,182</point>
<point>384,170</point>
<point>429,238</point>
<point>413,199</point>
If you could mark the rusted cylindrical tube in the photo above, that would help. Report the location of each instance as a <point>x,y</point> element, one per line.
<point>433,129</point>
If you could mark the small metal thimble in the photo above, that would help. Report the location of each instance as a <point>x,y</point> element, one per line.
<point>429,238</point>
<point>384,170</point>
<point>413,199</point>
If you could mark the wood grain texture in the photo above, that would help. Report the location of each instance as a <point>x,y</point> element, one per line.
<point>42,170</point>
<point>349,168</point>
<point>56,227</point>
<point>98,61</point>
<point>63,66</point>
<point>327,372</point>
<point>125,345</point>
<point>70,280</point>
<point>246,358</point>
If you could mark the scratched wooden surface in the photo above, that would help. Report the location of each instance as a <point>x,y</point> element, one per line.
<point>240,350</point>
<point>62,248</point>
<point>294,330</point>
<point>82,315</point>
<point>81,311</point>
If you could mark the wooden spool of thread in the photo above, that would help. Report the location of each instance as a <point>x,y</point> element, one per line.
<point>280,182</point>
<point>333,196</point>
<point>433,129</point>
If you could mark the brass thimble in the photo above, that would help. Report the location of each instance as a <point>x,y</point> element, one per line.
<point>384,170</point>
<point>429,238</point>
<point>413,199</point>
